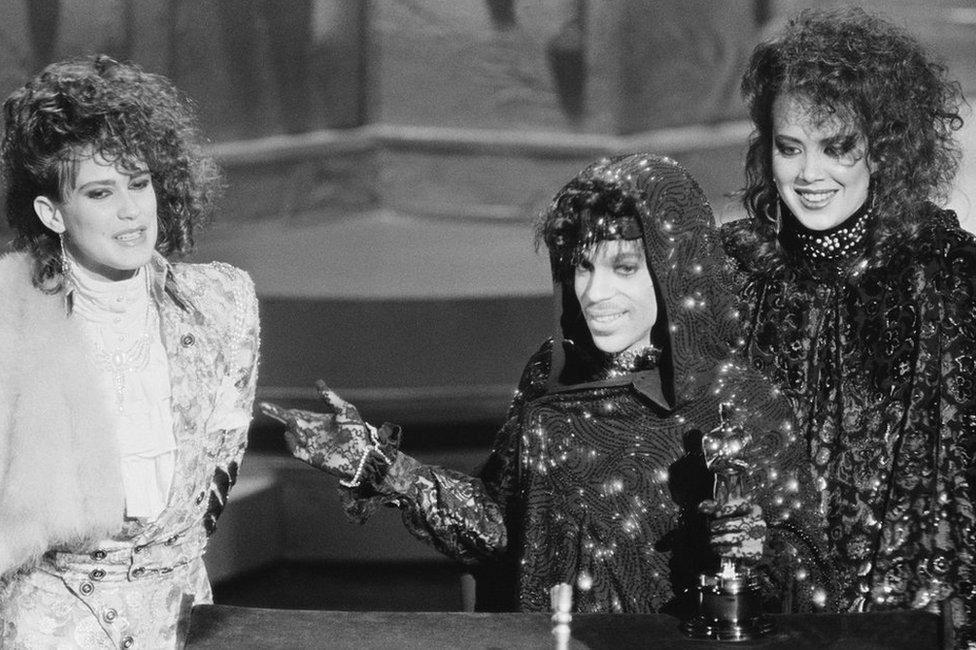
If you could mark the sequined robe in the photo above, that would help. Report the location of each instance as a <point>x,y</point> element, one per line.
<point>596,475</point>
<point>880,364</point>
<point>134,587</point>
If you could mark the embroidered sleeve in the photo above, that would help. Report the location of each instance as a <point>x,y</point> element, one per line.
<point>235,396</point>
<point>234,401</point>
<point>742,282</point>
<point>957,440</point>
<point>465,517</point>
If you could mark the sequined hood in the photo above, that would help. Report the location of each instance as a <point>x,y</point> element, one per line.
<point>696,318</point>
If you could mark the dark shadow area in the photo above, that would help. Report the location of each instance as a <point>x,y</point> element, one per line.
<point>346,586</point>
<point>397,343</point>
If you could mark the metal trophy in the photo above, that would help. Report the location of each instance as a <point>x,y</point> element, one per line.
<point>728,602</point>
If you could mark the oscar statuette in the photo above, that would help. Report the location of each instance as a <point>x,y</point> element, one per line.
<point>728,602</point>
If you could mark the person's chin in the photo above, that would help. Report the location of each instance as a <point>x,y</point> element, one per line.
<point>141,259</point>
<point>133,260</point>
<point>141,247</point>
<point>819,219</point>
<point>608,344</point>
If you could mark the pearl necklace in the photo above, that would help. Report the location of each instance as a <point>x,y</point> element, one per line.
<point>117,358</point>
<point>120,360</point>
<point>839,242</point>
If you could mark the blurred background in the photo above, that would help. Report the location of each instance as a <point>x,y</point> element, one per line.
<point>385,160</point>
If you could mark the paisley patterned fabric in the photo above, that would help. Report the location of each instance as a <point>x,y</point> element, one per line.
<point>136,589</point>
<point>610,491</point>
<point>596,475</point>
<point>880,364</point>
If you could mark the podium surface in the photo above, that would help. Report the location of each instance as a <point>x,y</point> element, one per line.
<point>220,626</point>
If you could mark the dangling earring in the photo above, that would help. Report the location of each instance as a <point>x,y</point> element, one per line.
<point>65,263</point>
<point>66,278</point>
<point>776,219</point>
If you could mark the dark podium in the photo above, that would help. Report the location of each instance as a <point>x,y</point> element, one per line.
<point>220,626</point>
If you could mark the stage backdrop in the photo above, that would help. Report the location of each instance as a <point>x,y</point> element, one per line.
<point>385,159</point>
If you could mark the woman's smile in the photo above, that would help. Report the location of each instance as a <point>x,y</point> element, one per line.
<point>131,236</point>
<point>815,199</point>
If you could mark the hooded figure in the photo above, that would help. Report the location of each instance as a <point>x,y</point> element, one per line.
<point>598,473</point>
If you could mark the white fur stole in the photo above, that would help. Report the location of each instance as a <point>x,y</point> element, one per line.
<point>60,482</point>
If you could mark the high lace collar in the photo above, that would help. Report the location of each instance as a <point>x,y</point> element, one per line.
<point>846,240</point>
<point>98,299</point>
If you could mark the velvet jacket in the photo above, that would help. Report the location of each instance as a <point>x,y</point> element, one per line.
<point>879,361</point>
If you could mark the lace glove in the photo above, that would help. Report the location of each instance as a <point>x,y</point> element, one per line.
<point>337,441</point>
<point>738,530</point>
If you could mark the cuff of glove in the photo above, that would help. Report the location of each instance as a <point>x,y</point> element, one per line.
<point>361,498</point>
<point>359,503</point>
<point>378,456</point>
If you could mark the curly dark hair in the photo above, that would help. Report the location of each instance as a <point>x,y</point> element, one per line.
<point>583,213</point>
<point>860,69</point>
<point>97,105</point>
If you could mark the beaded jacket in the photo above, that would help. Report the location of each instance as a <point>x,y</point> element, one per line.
<point>596,475</point>
<point>879,361</point>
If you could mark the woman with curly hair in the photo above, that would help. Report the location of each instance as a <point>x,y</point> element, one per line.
<point>127,378</point>
<point>858,298</point>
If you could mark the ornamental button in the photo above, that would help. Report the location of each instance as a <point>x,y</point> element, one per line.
<point>98,555</point>
<point>110,615</point>
<point>96,574</point>
<point>187,340</point>
<point>86,588</point>
<point>128,642</point>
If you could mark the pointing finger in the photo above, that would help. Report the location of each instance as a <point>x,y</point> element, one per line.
<point>276,412</point>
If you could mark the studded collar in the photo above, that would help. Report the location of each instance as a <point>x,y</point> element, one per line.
<point>846,240</point>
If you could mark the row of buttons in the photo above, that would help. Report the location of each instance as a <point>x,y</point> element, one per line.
<point>101,555</point>
<point>87,588</point>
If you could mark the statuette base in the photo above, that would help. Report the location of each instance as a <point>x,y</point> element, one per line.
<point>728,610</point>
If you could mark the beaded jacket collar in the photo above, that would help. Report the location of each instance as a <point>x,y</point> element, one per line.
<point>844,241</point>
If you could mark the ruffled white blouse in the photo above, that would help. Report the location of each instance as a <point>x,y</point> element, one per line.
<point>121,323</point>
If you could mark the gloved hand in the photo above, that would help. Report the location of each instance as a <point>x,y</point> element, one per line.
<point>337,441</point>
<point>738,530</point>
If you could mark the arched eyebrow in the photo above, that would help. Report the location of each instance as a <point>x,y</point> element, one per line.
<point>627,251</point>
<point>110,182</point>
<point>97,183</point>
<point>626,256</point>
